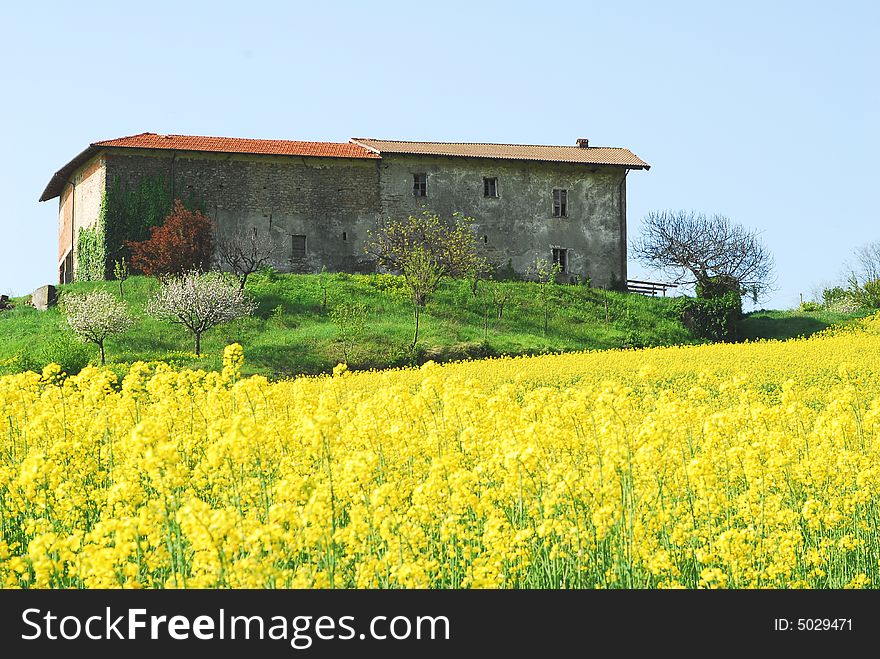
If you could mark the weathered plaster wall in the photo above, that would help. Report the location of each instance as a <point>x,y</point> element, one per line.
<point>518,225</point>
<point>80,205</point>
<point>334,201</point>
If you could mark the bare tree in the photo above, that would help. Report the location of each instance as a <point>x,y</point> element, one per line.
<point>424,250</point>
<point>199,301</point>
<point>246,251</point>
<point>698,249</point>
<point>867,263</point>
<point>95,316</point>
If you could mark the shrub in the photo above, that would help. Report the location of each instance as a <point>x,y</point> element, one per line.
<point>183,243</point>
<point>867,295</point>
<point>810,307</point>
<point>718,286</point>
<point>711,318</point>
<point>62,349</point>
<point>834,295</point>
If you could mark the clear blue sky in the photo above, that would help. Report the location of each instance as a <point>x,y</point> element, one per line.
<point>763,111</point>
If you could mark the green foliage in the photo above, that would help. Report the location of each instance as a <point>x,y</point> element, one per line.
<point>712,318</point>
<point>91,253</point>
<point>61,349</point>
<point>717,286</point>
<point>867,295</point>
<point>831,296</point>
<point>384,282</point>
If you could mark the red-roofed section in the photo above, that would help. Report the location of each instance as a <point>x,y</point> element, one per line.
<point>240,145</point>
<point>208,144</point>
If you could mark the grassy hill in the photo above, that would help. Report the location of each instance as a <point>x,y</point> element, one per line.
<point>764,324</point>
<point>292,332</point>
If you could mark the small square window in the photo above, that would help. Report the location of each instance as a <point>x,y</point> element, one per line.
<point>560,203</point>
<point>490,187</point>
<point>420,185</point>
<point>560,256</point>
<point>298,247</point>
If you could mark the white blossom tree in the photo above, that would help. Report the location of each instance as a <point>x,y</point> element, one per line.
<point>95,316</point>
<point>199,301</point>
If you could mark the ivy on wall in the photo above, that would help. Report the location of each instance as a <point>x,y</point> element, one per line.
<point>91,253</point>
<point>128,212</point>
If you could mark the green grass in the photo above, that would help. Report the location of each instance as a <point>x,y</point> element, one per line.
<point>789,324</point>
<point>291,334</point>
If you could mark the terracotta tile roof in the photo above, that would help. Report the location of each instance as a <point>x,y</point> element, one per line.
<point>211,144</point>
<point>240,145</point>
<point>355,148</point>
<point>592,155</point>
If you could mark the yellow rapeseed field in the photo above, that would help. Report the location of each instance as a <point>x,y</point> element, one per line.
<point>738,466</point>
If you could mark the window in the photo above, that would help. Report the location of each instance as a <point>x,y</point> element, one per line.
<point>485,239</point>
<point>345,235</point>
<point>560,203</point>
<point>560,256</point>
<point>420,185</point>
<point>298,247</point>
<point>490,187</point>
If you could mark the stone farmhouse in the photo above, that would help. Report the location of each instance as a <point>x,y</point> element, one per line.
<point>566,204</point>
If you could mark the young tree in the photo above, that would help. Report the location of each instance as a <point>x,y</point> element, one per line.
<point>323,281</point>
<point>424,250</point>
<point>95,316</point>
<point>350,320</point>
<point>199,301</point>
<point>120,271</point>
<point>184,242</point>
<point>701,250</point>
<point>546,275</point>
<point>246,251</point>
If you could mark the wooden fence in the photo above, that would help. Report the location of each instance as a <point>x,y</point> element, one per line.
<point>648,287</point>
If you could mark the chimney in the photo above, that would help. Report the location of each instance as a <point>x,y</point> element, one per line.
<point>583,142</point>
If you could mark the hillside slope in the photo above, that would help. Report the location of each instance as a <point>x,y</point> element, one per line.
<point>292,331</point>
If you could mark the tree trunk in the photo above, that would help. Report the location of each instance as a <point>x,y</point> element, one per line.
<point>101,346</point>
<point>417,312</point>
<point>242,281</point>
<point>198,344</point>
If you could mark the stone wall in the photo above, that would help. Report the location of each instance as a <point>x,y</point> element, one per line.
<point>330,201</point>
<point>333,202</point>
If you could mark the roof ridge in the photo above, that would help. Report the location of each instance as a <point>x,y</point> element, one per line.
<point>215,137</point>
<point>553,146</point>
<point>124,137</point>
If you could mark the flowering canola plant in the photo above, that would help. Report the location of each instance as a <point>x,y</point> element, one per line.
<point>737,466</point>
